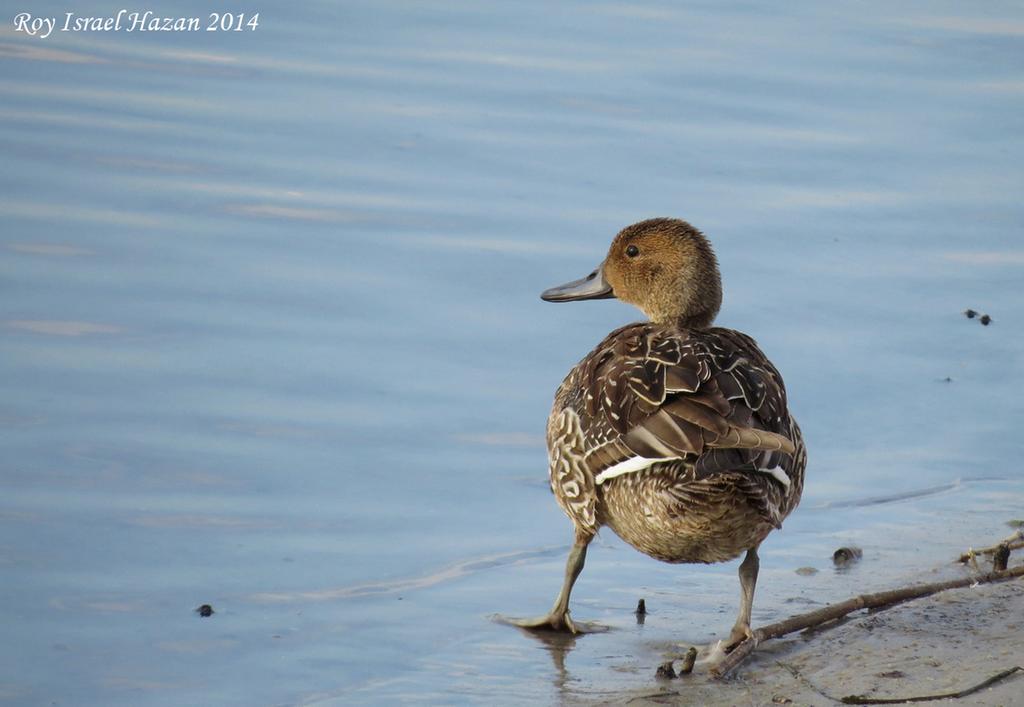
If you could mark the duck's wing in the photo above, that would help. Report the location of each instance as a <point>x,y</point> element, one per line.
<point>658,393</point>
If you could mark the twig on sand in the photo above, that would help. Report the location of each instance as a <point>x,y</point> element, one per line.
<point>656,697</point>
<point>1014,542</point>
<point>841,609</point>
<point>864,700</point>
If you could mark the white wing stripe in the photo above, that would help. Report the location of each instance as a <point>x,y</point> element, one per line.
<point>779,473</point>
<point>628,466</point>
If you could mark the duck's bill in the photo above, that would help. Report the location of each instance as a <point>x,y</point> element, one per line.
<point>593,286</point>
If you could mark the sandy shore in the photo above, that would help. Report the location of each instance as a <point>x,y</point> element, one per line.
<point>939,644</point>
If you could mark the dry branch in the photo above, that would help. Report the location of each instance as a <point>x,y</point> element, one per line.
<point>1014,542</point>
<point>838,611</point>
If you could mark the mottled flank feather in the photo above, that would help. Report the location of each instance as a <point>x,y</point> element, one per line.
<point>571,482</point>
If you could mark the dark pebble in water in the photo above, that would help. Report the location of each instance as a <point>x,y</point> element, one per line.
<point>205,610</point>
<point>893,674</point>
<point>985,319</point>
<point>641,608</point>
<point>665,670</point>
<point>806,571</point>
<point>846,555</point>
<point>970,313</point>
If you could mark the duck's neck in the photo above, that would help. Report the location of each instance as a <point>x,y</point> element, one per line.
<point>698,313</point>
<point>701,320</point>
<point>697,321</point>
<point>693,297</point>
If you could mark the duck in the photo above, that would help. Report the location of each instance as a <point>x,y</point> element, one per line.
<point>674,433</point>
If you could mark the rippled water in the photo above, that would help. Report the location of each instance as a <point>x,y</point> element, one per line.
<point>271,337</point>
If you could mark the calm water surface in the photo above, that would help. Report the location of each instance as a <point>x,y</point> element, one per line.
<point>270,334</point>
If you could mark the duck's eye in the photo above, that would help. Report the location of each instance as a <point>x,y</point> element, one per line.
<point>632,251</point>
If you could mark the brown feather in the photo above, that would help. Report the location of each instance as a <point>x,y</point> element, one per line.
<point>685,409</point>
<point>750,438</point>
<point>681,379</point>
<point>710,396</point>
<point>680,436</point>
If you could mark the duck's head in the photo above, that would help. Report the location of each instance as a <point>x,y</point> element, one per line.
<point>664,266</point>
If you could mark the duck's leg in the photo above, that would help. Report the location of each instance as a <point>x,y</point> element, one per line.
<point>558,618</point>
<point>748,579</point>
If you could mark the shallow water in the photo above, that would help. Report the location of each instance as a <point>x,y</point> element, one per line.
<point>272,341</point>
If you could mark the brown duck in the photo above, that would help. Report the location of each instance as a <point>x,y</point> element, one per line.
<point>674,433</point>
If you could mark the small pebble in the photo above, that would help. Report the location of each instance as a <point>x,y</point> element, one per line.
<point>205,610</point>
<point>970,313</point>
<point>641,608</point>
<point>807,571</point>
<point>985,319</point>
<point>665,671</point>
<point>846,556</point>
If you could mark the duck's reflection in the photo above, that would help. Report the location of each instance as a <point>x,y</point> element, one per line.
<point>558,645</point>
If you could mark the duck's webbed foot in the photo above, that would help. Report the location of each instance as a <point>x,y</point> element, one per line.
<point>740,633</point>
<point>555,621</point>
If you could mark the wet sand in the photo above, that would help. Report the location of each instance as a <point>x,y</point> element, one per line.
<point>940,644</point>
